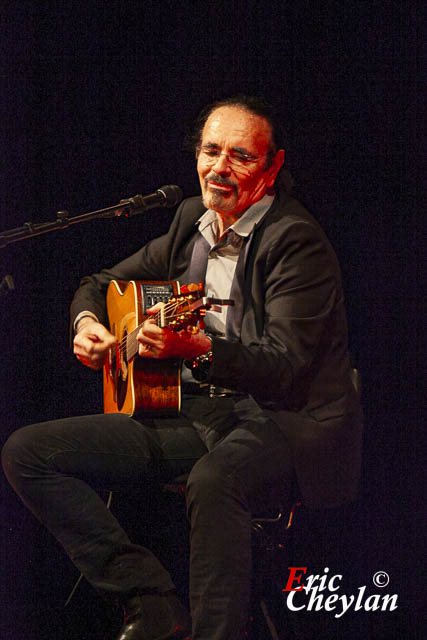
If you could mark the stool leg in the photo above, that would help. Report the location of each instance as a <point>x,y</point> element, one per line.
<point>270,624</point>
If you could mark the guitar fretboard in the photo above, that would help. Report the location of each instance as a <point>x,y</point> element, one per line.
<point>173,314</point>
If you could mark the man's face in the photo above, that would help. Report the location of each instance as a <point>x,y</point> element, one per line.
<point>231,160</point>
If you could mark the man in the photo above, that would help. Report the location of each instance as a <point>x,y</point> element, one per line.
<point>281,402</point>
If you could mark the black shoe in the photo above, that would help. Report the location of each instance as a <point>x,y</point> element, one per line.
<point>155,617</point>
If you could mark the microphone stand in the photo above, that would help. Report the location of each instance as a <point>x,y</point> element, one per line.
<point>169,196</point>
<point>29,229</point>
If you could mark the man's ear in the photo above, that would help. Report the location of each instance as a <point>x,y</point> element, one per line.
<point>274,168</point>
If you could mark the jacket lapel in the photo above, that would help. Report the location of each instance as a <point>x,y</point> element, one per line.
<point>235,312</point>
<point>199,260</point>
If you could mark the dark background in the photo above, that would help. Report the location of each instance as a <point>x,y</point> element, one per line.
<point>96,101</point>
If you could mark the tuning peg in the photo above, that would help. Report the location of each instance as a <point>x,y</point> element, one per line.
<point>193,329</point>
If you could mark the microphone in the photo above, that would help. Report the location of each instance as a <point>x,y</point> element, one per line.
<point>167,196</point>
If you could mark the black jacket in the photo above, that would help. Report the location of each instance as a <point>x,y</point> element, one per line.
<point>292,354</point>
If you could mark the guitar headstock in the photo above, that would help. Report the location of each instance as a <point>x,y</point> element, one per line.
<point>186,311</point>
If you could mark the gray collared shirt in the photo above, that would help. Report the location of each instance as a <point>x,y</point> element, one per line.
<point>223,256</point>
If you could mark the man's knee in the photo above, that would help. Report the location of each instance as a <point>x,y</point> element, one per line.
<point>205,475</point>
<point>210,483</point>
<point>17,452</point>
<point>9,454</point>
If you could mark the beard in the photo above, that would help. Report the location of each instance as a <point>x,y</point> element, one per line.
<point>219,201</point>
<point>215,198</point>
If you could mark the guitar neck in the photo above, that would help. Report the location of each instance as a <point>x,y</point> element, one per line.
<point>164,317</point>
<point>173,315</point>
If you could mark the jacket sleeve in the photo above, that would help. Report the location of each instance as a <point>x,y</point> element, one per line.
<point>296,282</point>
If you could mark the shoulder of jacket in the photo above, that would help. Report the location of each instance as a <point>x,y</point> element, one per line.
<point>188,212</point>
<point>286,212</point>
<point>193,205</point>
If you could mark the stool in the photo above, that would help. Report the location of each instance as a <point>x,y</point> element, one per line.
<point>269,542</point>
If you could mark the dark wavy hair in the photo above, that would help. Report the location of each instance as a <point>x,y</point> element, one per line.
<point>260,107</point>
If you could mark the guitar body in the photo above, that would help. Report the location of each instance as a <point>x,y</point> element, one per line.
<point>132,384</point>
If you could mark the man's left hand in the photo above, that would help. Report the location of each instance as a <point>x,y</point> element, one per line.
<point>158,342</point>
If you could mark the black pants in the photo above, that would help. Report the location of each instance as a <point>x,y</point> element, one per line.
<point>238,461</point>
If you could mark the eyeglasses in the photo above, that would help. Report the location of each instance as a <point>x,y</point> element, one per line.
<point>236,158</point>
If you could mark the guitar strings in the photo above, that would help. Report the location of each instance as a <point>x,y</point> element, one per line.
<point>169,310</point>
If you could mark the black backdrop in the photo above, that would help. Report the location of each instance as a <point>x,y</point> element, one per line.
<point>96,101</point>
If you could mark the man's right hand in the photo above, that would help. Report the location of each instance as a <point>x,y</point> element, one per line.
<point>92,342</point>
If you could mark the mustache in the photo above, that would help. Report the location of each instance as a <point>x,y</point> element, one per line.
<point>220,180</point>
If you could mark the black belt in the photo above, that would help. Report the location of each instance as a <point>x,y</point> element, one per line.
<point>213,391</point>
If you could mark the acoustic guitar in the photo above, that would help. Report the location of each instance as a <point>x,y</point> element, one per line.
<point>135,385</point>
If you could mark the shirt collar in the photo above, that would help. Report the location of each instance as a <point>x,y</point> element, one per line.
<point>244,225</point>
